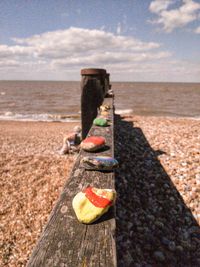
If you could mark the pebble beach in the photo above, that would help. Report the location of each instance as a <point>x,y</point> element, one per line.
<point>158,187</point>
<point>32,174</point>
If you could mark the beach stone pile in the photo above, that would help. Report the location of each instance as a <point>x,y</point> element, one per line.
<point>155,222</point>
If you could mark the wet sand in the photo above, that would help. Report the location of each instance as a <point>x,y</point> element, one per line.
<point>32,175</point>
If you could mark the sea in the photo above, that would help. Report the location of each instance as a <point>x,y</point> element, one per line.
<point>60,100</point>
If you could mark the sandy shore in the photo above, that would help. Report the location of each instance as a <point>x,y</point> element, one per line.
<point>32,174</point>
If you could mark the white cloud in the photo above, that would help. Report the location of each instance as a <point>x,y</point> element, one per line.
<point>177,17</point>
<point>197,30</point>
<point>122,26</point>
<point>8,64</point>
<point>164,71</point>
<point>119,28</point>
<point>76,45</point>
<point>61,54</point>
<point>14,51</point>
<point>157,6</point>
<point>77,40</point>
<point>109,58</point>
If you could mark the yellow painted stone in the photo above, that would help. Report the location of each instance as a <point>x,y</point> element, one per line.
<point>89,208</point>
<point>104,108</point>
<point>105,113</point>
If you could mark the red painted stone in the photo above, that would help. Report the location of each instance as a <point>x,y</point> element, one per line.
<point>93,143</point>
<point>97,201</point>
<point>97,140</point>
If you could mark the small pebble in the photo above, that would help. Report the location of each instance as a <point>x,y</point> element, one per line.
<point>172,246</point>
<point>179,248</point>
<point>159,224</point>
<point>165,241</point>
<point>159,256</point>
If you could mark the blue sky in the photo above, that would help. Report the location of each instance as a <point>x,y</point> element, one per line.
<point>150,40</point>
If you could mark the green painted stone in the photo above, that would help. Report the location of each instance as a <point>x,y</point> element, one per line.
<point>100,122</point>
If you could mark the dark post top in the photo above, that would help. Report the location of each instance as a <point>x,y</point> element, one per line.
<point>92,71</point>
<point>93,87</point>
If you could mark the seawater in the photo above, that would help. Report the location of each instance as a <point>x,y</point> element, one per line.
<point>60,100</point>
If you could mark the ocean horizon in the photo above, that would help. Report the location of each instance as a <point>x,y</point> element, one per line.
<point>60,100</point>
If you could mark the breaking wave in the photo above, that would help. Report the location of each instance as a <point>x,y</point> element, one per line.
<point>39,117</point>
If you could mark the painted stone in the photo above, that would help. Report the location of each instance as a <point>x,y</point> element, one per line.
<point>100,122</point>
<point>93,143</point>
<point>104,108</point>
<point>105,113</point>
<point>101,163</point>
<point>90,204</point>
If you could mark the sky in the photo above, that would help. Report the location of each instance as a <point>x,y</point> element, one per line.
<point>134,40</point>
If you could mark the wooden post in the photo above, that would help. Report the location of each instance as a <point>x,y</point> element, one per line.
<point>93,92</point>
<point>65,242</point>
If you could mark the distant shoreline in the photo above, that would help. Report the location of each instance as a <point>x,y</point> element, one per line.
<point>61,101</point>
<point>112,82</point>
<point>124,115</point>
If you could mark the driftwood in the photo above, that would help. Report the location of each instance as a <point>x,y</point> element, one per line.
<point>67,243</point>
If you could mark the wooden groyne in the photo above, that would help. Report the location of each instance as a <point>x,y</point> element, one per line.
<point>65,242</point>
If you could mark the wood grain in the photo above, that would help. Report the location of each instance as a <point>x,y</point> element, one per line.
<point>67,243</point>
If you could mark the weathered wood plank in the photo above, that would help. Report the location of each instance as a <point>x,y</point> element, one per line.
<point>66,242</point>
